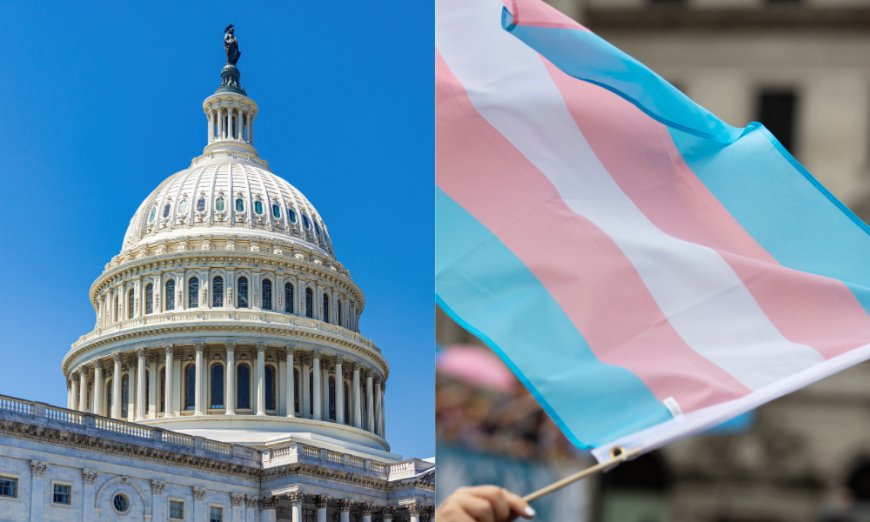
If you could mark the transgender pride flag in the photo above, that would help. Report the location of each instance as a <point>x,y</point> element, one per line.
<point>647,270</point>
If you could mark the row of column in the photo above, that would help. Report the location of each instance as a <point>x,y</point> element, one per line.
<point>413,511</point>
<point>86,385</point>
<point>230,123</point>
<point>115,303</point>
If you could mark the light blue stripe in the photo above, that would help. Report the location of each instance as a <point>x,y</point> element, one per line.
<point>586,56</point>
<point>782,206</point>
<point>492,294</point>
<point>774,198</point>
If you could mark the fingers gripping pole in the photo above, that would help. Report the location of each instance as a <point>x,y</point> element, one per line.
<point>618,456</point>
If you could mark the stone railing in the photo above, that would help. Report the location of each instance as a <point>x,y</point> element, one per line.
<point>48,416</point>
<point>298,453</point>
<point>230,315</point>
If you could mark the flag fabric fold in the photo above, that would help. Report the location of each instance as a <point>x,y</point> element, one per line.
<point>646,270</point>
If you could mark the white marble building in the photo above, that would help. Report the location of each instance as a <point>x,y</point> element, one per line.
<point>225,378</point>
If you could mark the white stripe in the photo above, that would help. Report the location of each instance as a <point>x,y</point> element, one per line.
<point>702,297</point>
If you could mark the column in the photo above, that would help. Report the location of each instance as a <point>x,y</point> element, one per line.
<point>140,383</point>
<point>158,501</point>
<point>230,122</point>
<point>261,379</point>
<point>83,389</point>
<point>88,479</point>
<point>37,490</point>
<point>379,398</point>
<point>413,513</point>
<point>367,512</point>
<point>238,501</point>
<point>197,397</point>
<point>344,507</point>
<point>210,126</point>
<point>322,503</point>
<point>295,506</point>
<point>339,392</point>
<point>324,391</point>
<point>167,385</point>
<point>116,387</point>
<point>230,388</point>
<point>291,384</point>
<point>388,514</point>
<point>357,406</point>
<point>98,388</point>
<point>316,402</point>
<point>131,394</point>
<point>75,392</point>
<point>370,402</point>
<point>151,406</point>
<point>306,389</point>
<point>250,127</point>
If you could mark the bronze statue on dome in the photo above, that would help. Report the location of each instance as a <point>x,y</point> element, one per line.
<point>231,45</point>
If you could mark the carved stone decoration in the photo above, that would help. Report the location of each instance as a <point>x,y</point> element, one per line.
<point>388,511</point>
<point>157,486</point>
<point>89,476</point>
<point>251,502</point>
<point>322,502</point>
<point>237,499</point>
<point>295,497</point>
<point>198,493</point>
<point>270,502</point>
<point>344,505</point>
<point>413,509</point>
<point>367,508</point>
<point>38,468</point>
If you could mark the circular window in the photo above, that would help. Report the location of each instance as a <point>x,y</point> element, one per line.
<point>152,215</point>
<point>121,503</point>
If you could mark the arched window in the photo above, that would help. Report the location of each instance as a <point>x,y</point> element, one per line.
<point>189,387</point>
<point>332,397</point>
<point>292,214</point>
<point>240,205</point>
<point>161,388</point>
<point>267,294</point>
<point>149,298</point>
<point>152,214</point>
<point>193,292</point>
<point>182,206</point>
<point>309,303</point>
<point>288,298</point>
<point>338,313</point>
<point>276,211</point>
<point>258,207</point>
<point>270,388</point>
<point>131,301</point>
<point>166,210</point>
<point>325,308</point>
<point>217,292</point>
<point>170,294</point>
<point>297,391</point>
<point>219,204</point>
<point>305,221</point>
<point>243,387</point>
<point>125,395</point>
<point>200,204</point>
<point>243,292</point>
<point>217,386</point>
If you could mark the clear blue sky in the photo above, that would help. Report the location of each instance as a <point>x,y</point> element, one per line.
<point>99,104</point>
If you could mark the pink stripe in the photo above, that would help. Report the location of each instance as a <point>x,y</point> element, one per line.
<point>573,259</point>
<point>640,155</point>
<point>539,14</point>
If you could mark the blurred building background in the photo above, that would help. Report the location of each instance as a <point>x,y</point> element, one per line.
<point>801,67</point>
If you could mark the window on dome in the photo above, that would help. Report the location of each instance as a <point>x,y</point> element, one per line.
<point>189,387</point>
<point>147,388</point>
<point>217,292</point>
<point>161,400</point>
<point>182,206</point>
<point>292,214</point>
<point>131,304</point>
<point>309,303</point>
<point>240,205</point>
<point>297,391</point>
<point>325,308</point>
<point>125,395</point>
<point>331,397</point>
<point>288,298</point>
<point>149,298</point>
<point>109,398</point>
<point>305,221</point>
<point>270,388</point>
<point>267,294</point>
<point>317,228</point>
<point>243,387</point>
<point>338,312</point>
<point>170,294</point>
<point>347,387</point>
<point>219,204</point>
<point>200,205</point>
<point>217,386</point>
<point>152,215</point>
<point>243,292</point>
<point>276,211</point>
<point>166,209</point>
<point>258,207</point>
<point>193,292</point>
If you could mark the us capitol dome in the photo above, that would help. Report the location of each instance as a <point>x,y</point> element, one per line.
<point>226,313</point>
